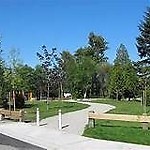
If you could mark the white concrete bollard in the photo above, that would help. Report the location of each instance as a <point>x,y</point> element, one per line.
<point>1,117</point>
<point>59,120</point>
<point>37,117</point>
<point>47,107</point>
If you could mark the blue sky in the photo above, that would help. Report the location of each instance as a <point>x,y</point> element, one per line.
<point>65,24</point>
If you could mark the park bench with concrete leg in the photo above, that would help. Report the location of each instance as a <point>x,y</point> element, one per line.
<point>143,119</point>
<point>14,115</point>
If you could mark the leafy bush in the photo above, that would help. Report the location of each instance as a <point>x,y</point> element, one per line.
<point>148,97</point>
<point>5,102</point>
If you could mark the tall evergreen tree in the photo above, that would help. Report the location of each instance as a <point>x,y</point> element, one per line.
<point>143,40</point>
<point>143,47</point>
<point>122,56</point>
<point>123,78</point>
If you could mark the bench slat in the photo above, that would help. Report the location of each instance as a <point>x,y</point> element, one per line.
<point>17,115</point>
<point>120,117</point>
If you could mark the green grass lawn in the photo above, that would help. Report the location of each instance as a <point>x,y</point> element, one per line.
<point>125,107</point>
<point>120,130</point>
<point>53,108</point>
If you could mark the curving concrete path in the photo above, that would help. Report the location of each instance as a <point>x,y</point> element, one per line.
<point>75,122</point>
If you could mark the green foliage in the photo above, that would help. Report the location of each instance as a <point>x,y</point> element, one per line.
<point>19,100</point>
<point>49,62</point>
<point>100,80</point>
<point>97,47</point>
<point>148,97</point>
<point>123,78</point>
<point>5,103</point>
<point>40,81</point>
<point>143,40</point>
<point>2,69</point>
<point>131,81</point>
<point>85,74</point>
<point>78,73</point>
<point>85,70</point>
<point>14,78</point>
<point>122,56</point>
<point>69,70</point>
<point>26,77</point>
<point>79,70</point>
<point>143,46</point>
<point>116,82</point>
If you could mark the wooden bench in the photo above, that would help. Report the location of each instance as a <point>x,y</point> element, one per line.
<point>145,120</point>
<point>15,115</point>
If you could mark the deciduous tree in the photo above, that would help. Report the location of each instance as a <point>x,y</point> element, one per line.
<point>49,61</point>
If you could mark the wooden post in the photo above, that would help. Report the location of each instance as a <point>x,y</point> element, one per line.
<point>91,121</point>
<point>145,125</point>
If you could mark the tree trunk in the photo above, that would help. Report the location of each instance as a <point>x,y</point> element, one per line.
<point>85,94</point>
<point>48,91</point>
<point>40,93</point>
<point>61,91</point>
<point>117,95</point>
<point>14,100</point>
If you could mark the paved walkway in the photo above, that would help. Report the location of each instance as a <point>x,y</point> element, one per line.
<point>75,122</point>
<point>58,140</point>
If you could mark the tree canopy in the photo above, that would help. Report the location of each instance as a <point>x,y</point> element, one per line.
<point>143,40</point>
<point>123,77</point>
<point>84,73</point>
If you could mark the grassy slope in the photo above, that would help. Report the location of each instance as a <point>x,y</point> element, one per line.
<point>119,130</point>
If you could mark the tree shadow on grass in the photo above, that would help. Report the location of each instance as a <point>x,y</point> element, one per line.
<point>120,126</point>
